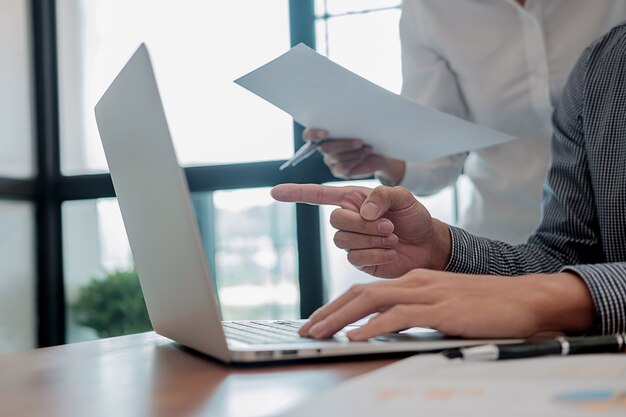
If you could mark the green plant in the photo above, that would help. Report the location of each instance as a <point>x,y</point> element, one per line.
<point>113,305</point>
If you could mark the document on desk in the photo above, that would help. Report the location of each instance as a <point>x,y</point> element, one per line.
<point>317,92</point>
<point>434,386</point>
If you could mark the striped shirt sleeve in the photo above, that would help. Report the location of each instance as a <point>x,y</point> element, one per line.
<point>570,236</point>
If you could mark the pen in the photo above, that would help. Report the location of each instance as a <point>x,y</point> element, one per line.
<point>301,154</point>
<point>558,346</point>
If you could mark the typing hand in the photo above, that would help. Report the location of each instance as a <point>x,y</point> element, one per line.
<point>386,231</point>
<point>471,306</point>
<point>351,158</point>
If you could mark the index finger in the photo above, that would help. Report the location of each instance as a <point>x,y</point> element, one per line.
<point>323,312</point>
<point>318,194</point>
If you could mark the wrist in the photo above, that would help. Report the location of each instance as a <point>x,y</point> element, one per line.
<point>442,246</point>
<point>564,304</point>
<point>392,173</point>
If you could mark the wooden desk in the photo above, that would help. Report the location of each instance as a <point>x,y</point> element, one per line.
<point>148,375</point>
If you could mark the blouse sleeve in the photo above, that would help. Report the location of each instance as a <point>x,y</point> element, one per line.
<point>428,80</point>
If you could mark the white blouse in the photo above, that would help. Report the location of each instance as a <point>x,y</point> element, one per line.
<point>504,66</point>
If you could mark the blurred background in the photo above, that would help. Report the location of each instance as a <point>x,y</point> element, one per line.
<point>67,267</point>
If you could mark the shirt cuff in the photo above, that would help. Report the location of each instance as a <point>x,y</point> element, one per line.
<point>470,254</point>
<point>426,178</point>
<point>384,181</point>
<point>607,285</point>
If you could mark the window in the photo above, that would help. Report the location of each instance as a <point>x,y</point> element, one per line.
<point>249,242</point>
<point>18,329</point>
<point>198,48</point>
<point>16,121</point>
<point>255,257</point>
<point>362,39</point>
<point>95,249</point>
<point>266,258</point>
<point>17,283</point>
<point>339,7</point>
<point>344,33</point>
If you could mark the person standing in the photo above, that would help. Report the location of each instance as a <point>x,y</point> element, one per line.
<point>498,63</point>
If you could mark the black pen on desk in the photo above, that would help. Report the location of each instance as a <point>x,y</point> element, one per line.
<point>559,346</point>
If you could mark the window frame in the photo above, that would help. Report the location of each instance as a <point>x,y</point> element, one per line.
<point>49,189</point>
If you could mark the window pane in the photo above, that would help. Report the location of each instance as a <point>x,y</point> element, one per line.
<point>347,6</point>
<point>16,115</point>
<point>464,189</point>
<point>249,240</point>
<point>339,273</point>
<point>198,47</point>
<point>17,281</point>
<point>102,294</point>
<point>373,54</point>
<point>255,255</point>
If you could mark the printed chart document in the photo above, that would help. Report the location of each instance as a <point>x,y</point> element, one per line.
<point>434,386</point>
<point>317,92</point>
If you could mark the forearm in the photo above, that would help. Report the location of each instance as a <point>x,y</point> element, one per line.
<point>606,282</point>
<point>442,246</point>
<point>561,303</point>
<point>480,256</point>
<point>607,285</point>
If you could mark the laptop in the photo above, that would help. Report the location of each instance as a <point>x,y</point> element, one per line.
<point>165,241</point>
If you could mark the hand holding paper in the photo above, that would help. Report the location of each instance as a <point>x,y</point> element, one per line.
<point>351,158</point>
<point>316,92</point>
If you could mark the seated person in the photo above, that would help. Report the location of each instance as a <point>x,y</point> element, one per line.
<point>570,275</point>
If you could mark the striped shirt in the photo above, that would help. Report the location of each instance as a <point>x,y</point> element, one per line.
<point>583,225</point>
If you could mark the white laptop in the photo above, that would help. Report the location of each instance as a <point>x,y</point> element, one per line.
<point>169,257</point>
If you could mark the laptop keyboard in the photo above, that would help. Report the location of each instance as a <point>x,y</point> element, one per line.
<point>264,332</point>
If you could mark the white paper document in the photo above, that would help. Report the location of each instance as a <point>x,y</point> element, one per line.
<point>317,92</point>
<point>434,386</point>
